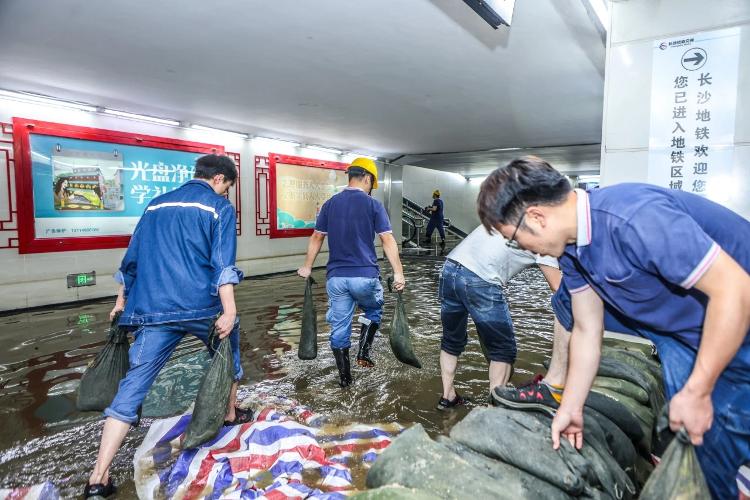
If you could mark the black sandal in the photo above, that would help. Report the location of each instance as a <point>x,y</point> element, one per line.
<point>99,490</point>
<point>240,417</point>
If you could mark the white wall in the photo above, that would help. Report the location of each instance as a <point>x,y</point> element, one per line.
<point>627,99</point>
<point>459,195</point>
<point>40,279</point>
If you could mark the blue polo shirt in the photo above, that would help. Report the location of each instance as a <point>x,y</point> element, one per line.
<point>351,219</point>
<point>437,215</point>
<point>642,248</point>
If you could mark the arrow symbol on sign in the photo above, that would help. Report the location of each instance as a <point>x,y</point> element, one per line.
<point>696,60</point>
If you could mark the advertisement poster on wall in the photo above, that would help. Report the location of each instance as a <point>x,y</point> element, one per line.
<point>90,192</point>
<point>299,187</point>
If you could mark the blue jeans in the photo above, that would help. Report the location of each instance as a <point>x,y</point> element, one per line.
<point>344,294</point>
<point>149,353</point>
<point>463,294</point>
<point>726,446</point>
<point>435,224</point>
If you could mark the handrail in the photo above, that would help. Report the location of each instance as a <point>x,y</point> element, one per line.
<point>413,229</point>
<point>415,208</point>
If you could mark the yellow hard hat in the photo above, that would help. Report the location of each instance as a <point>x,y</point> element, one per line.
<point>368,166</point>
<point>436,192</point>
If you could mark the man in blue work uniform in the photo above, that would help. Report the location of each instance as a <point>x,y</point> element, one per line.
<point>351,219</point>
<point>177,275</point>
<point>436,220</point>
<point>669,266</point>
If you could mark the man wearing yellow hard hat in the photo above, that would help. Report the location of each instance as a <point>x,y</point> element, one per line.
<point>436,220</point>
<point>351,219</point>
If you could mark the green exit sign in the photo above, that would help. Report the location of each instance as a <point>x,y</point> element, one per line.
<point>82,279</point>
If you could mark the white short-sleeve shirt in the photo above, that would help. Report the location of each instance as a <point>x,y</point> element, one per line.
<point>487,256</point>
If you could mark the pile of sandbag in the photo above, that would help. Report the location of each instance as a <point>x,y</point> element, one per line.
<point>506,453</point>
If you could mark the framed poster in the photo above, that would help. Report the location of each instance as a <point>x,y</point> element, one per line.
<point>298,187</point>
<point>82,188</point>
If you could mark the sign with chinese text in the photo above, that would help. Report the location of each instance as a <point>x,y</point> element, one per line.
<point>298,188</point>
<point>693,100</point>
<point>81,188</point>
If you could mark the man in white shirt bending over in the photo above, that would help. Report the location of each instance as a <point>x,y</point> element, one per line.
<point>471,285</point>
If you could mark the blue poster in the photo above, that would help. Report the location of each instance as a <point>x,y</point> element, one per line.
<point>91,188</point>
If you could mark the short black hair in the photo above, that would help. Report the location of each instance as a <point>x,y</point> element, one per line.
<point>359,173</point>
<point>206,167</point>
<point>525,181</point>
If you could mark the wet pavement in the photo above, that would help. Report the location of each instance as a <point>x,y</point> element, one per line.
<point>43,437</point>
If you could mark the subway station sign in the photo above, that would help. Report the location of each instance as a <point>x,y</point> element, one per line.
<point>693,101</point>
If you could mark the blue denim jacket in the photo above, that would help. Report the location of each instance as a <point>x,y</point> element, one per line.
<point>182,250</point>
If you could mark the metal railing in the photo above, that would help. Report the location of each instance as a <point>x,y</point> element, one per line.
<point>414,223</point>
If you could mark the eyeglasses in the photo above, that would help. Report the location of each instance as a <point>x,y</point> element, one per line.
<point>512,243</point>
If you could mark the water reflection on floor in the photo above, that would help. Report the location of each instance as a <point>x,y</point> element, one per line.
<point>43,437</point>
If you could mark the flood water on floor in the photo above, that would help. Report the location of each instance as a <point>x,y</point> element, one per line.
<point>43,437</point>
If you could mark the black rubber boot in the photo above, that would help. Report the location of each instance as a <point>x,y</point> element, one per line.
<point>442,247</point>
<point>366,336</point>
<point>342,363</point>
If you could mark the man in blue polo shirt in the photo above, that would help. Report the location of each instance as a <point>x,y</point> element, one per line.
<point>351,219</point>
<point>670,266</point>
<point>436,211</point>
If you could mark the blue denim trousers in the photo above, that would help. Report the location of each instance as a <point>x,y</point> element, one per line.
<point>344,294</point>
<point>149,353</point>
<point>463,294</point>
<point>433,224</point>
<point>726,446</point>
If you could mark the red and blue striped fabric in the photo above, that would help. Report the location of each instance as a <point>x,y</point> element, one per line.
<point>43,491</point>
<point>743,482</point>
<point>262,459</point>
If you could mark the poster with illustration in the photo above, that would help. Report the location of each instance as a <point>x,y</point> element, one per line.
<point>301,186</point>
<point>88,180</point>
<point>92,188</point>
<point>302,191</point>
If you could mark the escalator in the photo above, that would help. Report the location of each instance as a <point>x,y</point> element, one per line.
<point>413,228</point>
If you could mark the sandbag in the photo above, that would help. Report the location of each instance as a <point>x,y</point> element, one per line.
<point>678,475</point>
<point>177,385</point>
<point>610,367</point>
<point>501,433</point>
<point>620,445</point>
<point>647,349</point>
<point>643,413</point>
<point>213,396</point>
<point>610,476</point>
<point>100,381</point>
<point>636,359</point>
<point>643,470</point>
<point>623,387</point>
<point>399,334</point>
<point>607,474</point>
<point>619,414</point>
<point>414,460</point>
<point>393,492</point>
<point>516,481</point>
<point>308,340</point>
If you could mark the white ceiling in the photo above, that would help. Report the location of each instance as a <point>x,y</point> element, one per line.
<point>387,76</point>
<point>571,160</point>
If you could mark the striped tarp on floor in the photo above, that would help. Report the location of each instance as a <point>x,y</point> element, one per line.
<point>265,458</point>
